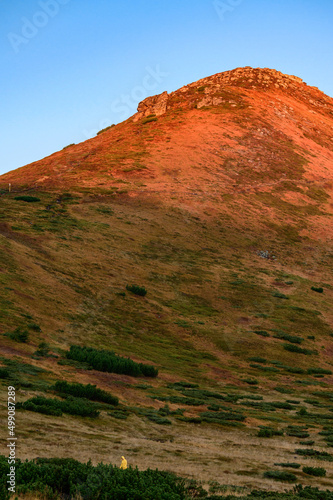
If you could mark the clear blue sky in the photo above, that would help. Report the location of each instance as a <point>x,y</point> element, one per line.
<point>72,67</point>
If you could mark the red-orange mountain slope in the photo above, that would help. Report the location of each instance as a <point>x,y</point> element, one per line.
<point>236,133</point>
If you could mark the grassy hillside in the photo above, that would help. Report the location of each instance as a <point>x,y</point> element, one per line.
<point>231,312</point>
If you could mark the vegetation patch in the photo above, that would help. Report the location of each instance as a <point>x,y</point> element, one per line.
<point>18,335</point>
<point>319,371</point>
<point>28,199</point>
<point>56,407</point>
<point>108,361</point>
<point>291,465</point>
<point>298,350</point>
<point>68,478</point>
<point>137,290</point>
<point>297,431</point>
<point>280,476</point>
<point>294,339</point>
<point>268,432</point>
<point>319,455</point>
<point>85,391</point>
<point>262,333</point>
<point>314,471</point>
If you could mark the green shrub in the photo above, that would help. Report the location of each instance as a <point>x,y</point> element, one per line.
<point>262,333</point>
<point>28,199</point>
<point>251,381</point>
<point>108,361</point>
<point>137,290</point>
<point>43,349</point>
<point>302,412</point>
<point>291,465</point>
<point>265,368</point>
<point>297,431</point>
<point>119,414</point>
<point>56,407</point>
<point>34,327</point>
<point>320,455</point>
<point>318,290</point>
<point>182,400</point>
<point>85,391</point>
<point>257,359</point>
<point>294,339</point>
<point>295,348</point>
<point>319,371</point>
<point>182,385</point>
<point>152,415</point>
<point>314,471</point>
<point>68,478</point>
<point>268,432</point>
<point>213,407</point>
<point>280,476</point>
<point>283,390</point>
<point>307,443</point>
<point>4,373</point>
<point>190,420</point>
<point>69,145</point>
<point>280,295</point>
<point>294,369</point>
<point>18,335</point>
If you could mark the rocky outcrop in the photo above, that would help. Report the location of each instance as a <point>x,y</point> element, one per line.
<point>225,89</point>
<point>155,105</point>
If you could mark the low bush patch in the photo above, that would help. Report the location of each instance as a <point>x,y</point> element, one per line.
<point>280,476</point>
<point>294,339</point>
<point>314,471</point>
<point>28,199</point>
<point>70,479</point>
<point>56,407</point>
<point>262,333</point>
<point>85,391</point>
<point>291,465</point>
<point>295,348</point>
<point>137,290</point>
<point>18,335</point>
<point>108,361</point>
<point>268,432</point>
<point>318,371</point>
<point>320,455</point>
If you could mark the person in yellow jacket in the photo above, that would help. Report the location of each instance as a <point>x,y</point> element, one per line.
<point>123,464</point>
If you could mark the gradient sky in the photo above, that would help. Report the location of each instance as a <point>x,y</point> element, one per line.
<point>72,67</point>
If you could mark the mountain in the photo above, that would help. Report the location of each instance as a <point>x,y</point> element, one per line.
<point>215,200</point>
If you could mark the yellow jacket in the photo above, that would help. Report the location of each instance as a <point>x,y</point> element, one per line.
<point>123,464</point>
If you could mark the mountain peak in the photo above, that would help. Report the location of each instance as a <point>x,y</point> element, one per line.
<point>243,130</point>
<point>211,91</point>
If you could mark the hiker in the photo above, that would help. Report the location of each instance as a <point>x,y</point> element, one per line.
<point>123,464</point>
